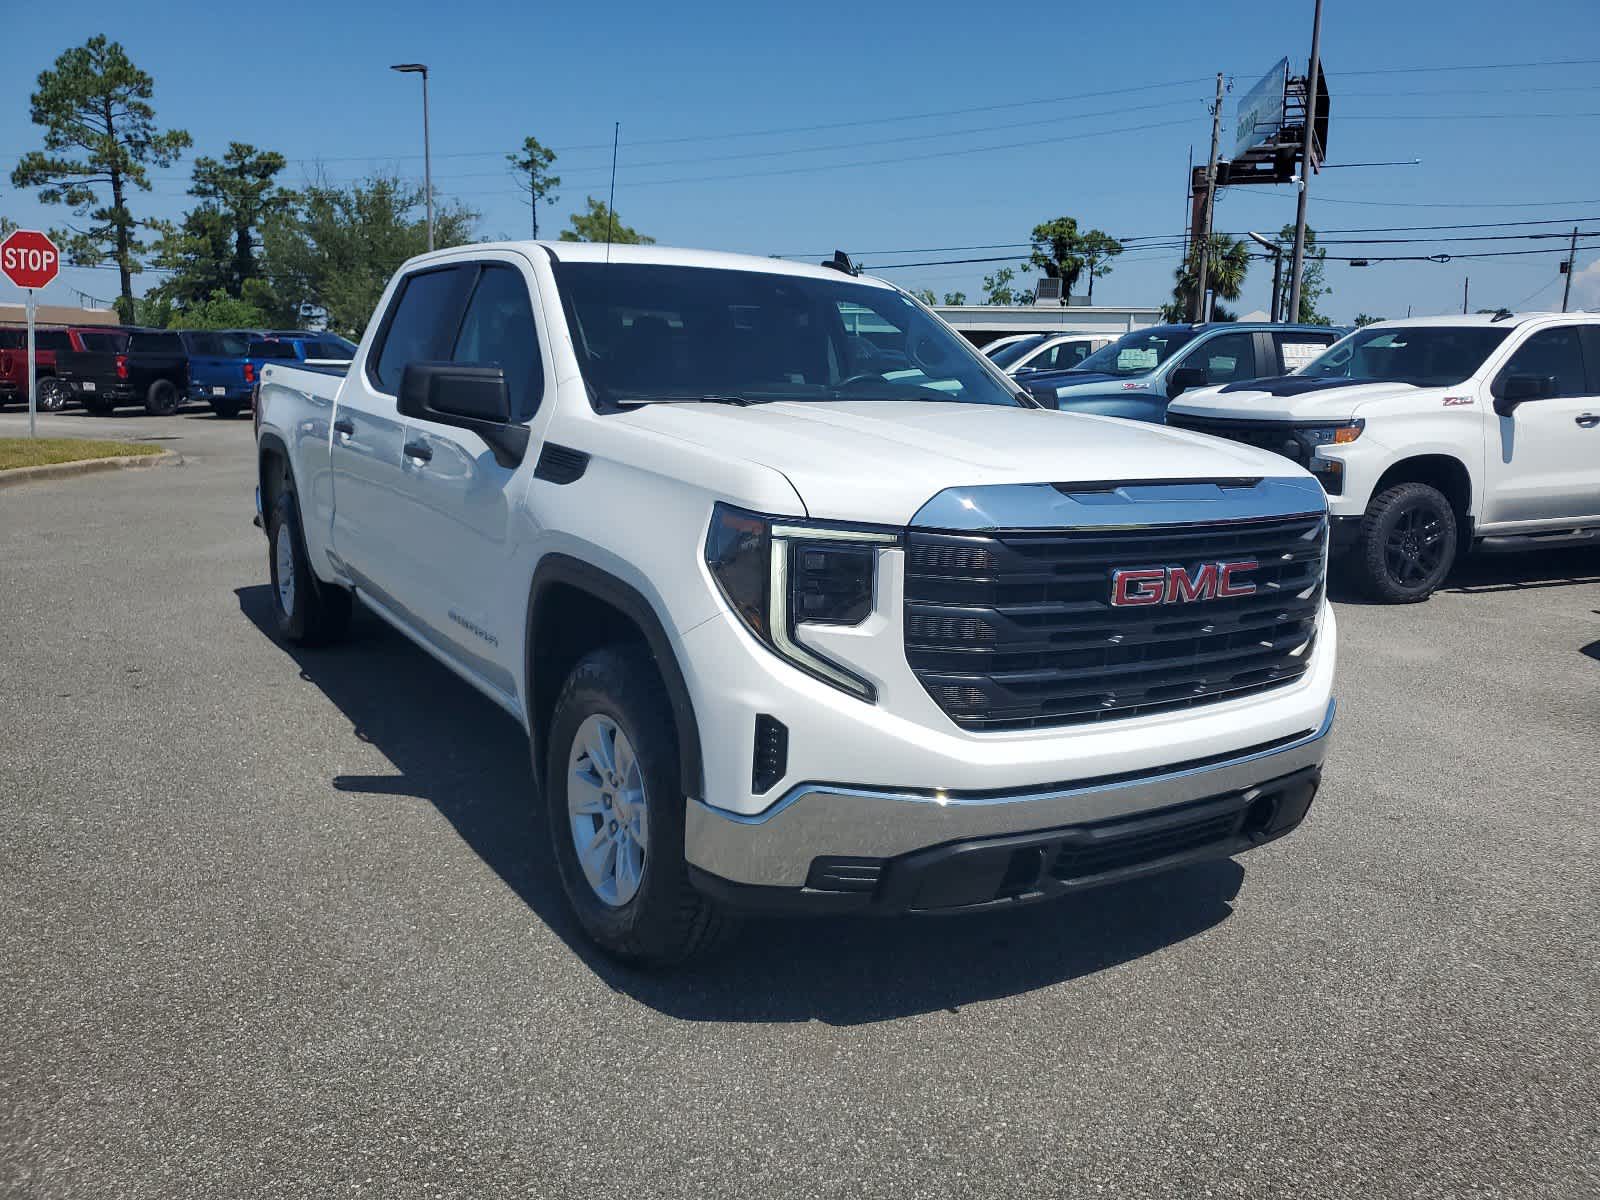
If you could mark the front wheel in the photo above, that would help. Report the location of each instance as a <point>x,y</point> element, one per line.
<point>615,807</point>
<point>308,611</point>
<point>1407,543</point>
<point>52,394</point>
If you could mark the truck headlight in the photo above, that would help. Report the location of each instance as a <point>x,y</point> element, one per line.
<point>777,573</point>
<point>1341,434</point>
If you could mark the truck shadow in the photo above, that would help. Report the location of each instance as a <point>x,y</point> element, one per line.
<point>1484,573</point>
<point>460,753</point>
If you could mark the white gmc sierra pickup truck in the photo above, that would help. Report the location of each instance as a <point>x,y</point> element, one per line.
<point>803,603</point>
<point>1433,436</point>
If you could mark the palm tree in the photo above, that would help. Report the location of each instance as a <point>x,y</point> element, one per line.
<point>1225,272</point>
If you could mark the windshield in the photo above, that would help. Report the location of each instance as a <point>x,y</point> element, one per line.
<point>1011,351</point>
<point>1140,352</point>
<point>646,331</point>
<point>1424,355</point>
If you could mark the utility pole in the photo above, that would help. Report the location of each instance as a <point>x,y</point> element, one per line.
<point>1307,158</point>
<point>1572,265</point>
<point>1275,248</point>
<point>1211,200</point>
<point>1466,291</point>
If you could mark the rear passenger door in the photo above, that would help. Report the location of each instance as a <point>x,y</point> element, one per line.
<point>460,504</point>
<point>371,534</point>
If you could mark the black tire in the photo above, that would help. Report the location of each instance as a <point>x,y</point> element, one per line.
<point>1407,544</point>
<point>226,409</point>
<point>162,399</point>
<point>308,612</point>
<point>52,394</point>
<point>667,920</point>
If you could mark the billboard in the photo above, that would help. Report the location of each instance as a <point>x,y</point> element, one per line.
<point>1261,110</point>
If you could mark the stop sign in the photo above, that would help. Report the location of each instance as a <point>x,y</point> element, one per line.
<point>29,259</point>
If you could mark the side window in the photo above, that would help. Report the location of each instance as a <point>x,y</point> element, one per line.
<point>1550,354</point>
<point>498,331</point>
<point>1590,336</point>
<point>421,322</point>
<point>1226,358</point>
<point>1295,350</point>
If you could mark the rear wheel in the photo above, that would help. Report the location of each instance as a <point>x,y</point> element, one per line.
<point>162,399</point>
<point>52,394</point>
<point>1407,544</point>
<point>226,409</point>
<point>308,611</point>
<point>615,807</point>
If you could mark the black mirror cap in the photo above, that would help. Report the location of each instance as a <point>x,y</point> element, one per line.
<point>471,398</point>
<point>1184,378</point>
<point>1515,389</point>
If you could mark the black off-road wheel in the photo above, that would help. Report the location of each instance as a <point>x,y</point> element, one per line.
<point>615,806</point>
<point>162,399</point>
<point>308,611</point>
<point>1407,544</point>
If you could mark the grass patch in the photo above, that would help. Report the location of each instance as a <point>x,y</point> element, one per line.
<point>39,452</point>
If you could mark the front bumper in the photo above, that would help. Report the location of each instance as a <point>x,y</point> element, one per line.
<point>831,847</point>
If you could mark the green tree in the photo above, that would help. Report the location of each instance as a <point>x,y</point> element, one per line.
<point>333,253</point>
<point>954,299</point>
<point>1058,251</point>
<point>997,287</point>
<point>927,296</point>
<point>1362,320</point>
<point>534,161</point>
<point>1098,249</point>
<point>1225,274</point>
<point>154,312</point>
<point>99,133</point>
<point>1313,281</point>
<point>600,224</point>
<point>222,311</point>
<point>241,189</point>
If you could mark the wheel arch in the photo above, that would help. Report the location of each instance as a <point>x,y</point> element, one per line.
<point>1444,472</point>
<point>274,471</point>
<point>567,596</point>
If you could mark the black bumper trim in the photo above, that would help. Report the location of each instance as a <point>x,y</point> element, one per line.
<point>983,873</point>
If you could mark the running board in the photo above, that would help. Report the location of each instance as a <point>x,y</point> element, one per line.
<point>1512,543</point>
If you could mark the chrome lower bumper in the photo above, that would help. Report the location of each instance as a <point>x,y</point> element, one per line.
<point>776,848</point>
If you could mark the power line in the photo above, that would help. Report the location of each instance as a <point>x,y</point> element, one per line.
<point>1549,62</point>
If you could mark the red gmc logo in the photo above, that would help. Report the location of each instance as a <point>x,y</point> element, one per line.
<point>1179,585</point>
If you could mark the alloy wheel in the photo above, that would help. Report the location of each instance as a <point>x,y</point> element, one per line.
<point>606,809</point>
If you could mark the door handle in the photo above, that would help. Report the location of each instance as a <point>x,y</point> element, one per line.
<point>1588,420</point>
<point>420,451</point>
<point>344,427</point>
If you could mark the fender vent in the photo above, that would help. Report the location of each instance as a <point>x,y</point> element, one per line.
<point>771,758</point>
<point>560,464</point>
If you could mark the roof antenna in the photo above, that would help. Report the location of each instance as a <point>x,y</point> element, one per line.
<point>611,206</point>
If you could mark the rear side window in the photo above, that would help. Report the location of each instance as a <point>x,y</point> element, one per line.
<point>202,343</point>
<point>1295,350</point>
<point>421,324</point>
<point>271,350</point>
<point>498,331</point>
<point>1227,358</point>
<point>13,339</point>
<point>1590,336</point>
<point>104,343</point>
<point>155,343</point>
<point>54,340</point>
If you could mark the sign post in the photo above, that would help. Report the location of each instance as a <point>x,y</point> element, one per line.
<point>30,260</point>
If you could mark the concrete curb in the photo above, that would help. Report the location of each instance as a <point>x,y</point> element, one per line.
<point>88,466</point>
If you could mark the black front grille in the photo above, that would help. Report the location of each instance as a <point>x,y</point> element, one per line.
<point>1017,630</point>
<point>1276,436</point>
<point>1085,860</point>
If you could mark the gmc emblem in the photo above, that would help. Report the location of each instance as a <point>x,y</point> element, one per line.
<point>1178,585</point>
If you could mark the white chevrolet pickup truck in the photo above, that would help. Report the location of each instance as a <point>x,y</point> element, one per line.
<point>1434,436</point>
<point>804,604</point>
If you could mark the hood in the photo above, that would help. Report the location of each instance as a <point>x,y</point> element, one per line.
<point>1293,398</point>
<point>880,461</point>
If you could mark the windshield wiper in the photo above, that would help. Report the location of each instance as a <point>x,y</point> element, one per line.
<point>711,398</point>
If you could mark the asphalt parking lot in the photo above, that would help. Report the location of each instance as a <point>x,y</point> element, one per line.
<point>274,927</point>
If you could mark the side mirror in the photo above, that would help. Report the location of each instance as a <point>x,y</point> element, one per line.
<point>1515,389</point>
<point>471,398</point>
<point>1184,378</point>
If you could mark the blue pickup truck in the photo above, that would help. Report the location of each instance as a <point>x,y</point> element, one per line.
<point>298,346</point>
<point>220,370</point>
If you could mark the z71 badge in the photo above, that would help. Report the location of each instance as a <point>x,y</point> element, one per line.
<point>1456,401</point>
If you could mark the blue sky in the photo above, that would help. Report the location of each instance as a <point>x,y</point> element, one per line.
<point>702,91</point>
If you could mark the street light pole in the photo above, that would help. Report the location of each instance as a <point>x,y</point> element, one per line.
<point>427,149</point>
<point>1307,158</point>
<point>1276,250</point>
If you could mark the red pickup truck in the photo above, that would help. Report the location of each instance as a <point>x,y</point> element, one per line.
<point>47,343</point>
